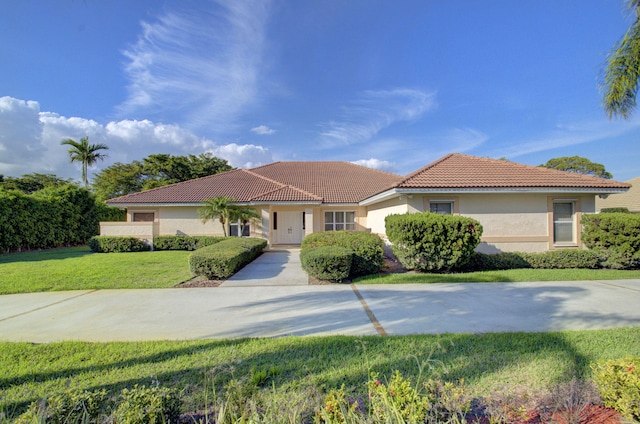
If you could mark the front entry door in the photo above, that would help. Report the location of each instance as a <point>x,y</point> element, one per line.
<point>289,228</point>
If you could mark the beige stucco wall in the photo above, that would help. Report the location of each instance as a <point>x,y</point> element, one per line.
<point>511,222</point>
<point>143,230</point>
<point>377,213</point>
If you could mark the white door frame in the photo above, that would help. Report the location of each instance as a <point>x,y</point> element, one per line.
<point>290,227</point>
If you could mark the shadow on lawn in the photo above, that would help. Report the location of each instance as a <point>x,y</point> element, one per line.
<point>46,254</point>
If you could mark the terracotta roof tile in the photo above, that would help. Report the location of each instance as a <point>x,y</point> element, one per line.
<point>335,182</point>
<point>327,182</point>
<point>463,171</point>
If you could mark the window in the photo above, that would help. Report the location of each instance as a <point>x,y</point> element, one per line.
<point>443,208</point>
<point>563,224</point>
<point>143,217</point>
<point>236,227</point>
<point>341,220</point>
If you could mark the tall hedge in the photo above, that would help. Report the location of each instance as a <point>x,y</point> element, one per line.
<point>432,242</point>
<point>617,235</point>
<point>51,217</point>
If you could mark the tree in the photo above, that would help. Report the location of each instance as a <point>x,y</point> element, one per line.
<point>622,71</point>
<point>578,165</point>
<point>223,209</point>
<point>155,171</point>
<point>85,153</point>
<point>30,183</point>
<point>220,208</point>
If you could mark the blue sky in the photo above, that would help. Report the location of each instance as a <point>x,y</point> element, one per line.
<point>389,84</point>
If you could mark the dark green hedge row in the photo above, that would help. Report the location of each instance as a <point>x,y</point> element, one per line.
<point>184,242</point>
<point>223,259</point>
<point>554,259</point>
<point>432,242</point>
<point>333,263</point>
<point>117,244</point>
<point>616,234</point>
<point>51,217</point>
<point>367,248</point>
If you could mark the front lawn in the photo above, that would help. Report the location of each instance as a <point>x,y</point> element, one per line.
<point>294,372</point>
<point>511,275</point>
<point>77,268</point>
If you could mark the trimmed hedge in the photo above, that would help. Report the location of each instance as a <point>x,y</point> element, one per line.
<point>51,217</point>
<point>367,248</point>
<point>117,244</point>
<point>223,259</point>
<point>333,263</point>
<point>616,234</point>
<point>184,242</point>
<point>554,259</point>
<point>432,242</point>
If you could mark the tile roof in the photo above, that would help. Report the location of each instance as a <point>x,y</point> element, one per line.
<point>463,171</point>
<point>334,182</point>
<point>327,182</point>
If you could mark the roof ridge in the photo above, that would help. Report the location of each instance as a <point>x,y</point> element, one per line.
<point>428,166</point>
<point>284,186</point>
<point>176,184</point>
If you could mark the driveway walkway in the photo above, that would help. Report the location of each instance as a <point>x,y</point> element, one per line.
<point>229,312</point>
<point>280,267</point>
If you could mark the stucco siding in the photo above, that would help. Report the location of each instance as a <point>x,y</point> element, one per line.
<point>185,221</point>
<point>378,212</point>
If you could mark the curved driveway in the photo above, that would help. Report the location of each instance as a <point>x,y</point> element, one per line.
<point>271,311</point>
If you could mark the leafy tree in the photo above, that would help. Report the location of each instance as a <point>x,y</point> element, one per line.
<point>118,179</point>
<point>578,165</point>
<point>155,171</point>
<point>220,208</point>
<point>223,209</point>
<point>85,153</point>
<point>623,70</point>
<point>30,183</point>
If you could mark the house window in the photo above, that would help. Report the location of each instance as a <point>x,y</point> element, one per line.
<point>563,222</point>
<point>236,227</point>
<point>143,217</point>
<point>339,220</point>
<point>443,208</point>
<point>275,220</point>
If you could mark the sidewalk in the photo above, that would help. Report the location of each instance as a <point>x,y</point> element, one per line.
<point>274,311</point>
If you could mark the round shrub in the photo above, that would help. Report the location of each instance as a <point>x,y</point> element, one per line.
<point>331,263</point>
<point>367,248</point>
<point>616,234</point>
<point>432,242</point>
<point>117,244</point>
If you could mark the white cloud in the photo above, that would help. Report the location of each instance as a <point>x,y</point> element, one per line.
<point>263,130</point>
<point>374,111</point>
<point>30,141</point>
<point>202,64</point>
<point>381,165</point>
<point>243,156</point>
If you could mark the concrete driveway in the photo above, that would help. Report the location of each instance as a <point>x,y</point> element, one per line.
<point>272,311</point>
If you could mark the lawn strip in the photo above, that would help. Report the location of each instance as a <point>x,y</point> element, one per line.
<point>297,365</point>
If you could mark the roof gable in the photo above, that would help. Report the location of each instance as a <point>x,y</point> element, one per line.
<point>311,182</point>
<point>463,171</point>
<point>629,200</point>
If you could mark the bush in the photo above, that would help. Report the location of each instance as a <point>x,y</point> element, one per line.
<point>614,210</point>
<point>495,262</point>
<point>106,213</point>
<point>52,217</point>
<point>223,259</point>
<point>72,406</point>
<point>148,405</point>
<point>332,263</point>
<point>563,259</point>
<point>619,384</point>
<point>184,242</point>
<point>617,234</point>
<point>117,244</point>
<point>367,248</point>
<point>432,242</point>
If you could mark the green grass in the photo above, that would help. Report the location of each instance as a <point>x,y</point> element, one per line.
<point>290,367</point>
<point>77,268</point>
<point>511,275</point>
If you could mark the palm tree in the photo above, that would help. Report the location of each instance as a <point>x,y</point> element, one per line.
<point>85,153</point>
<point>623,70</point>
<point>245,215</point>
<point>221,208</point>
